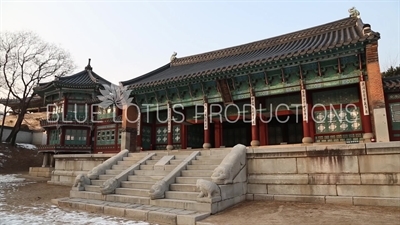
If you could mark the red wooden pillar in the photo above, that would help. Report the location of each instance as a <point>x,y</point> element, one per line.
<point>263,132</point>
<point>306,118</point>
<point>169,128</point>
<point>254,128</point>
<point>218,134</point>
<point>365,114</point>
<point>139,134</point>
<point>206,122</point>
<point>183,136</point>
<point>62,136</point>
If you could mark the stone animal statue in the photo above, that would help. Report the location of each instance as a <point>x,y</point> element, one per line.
<point>354,12</point>
<point>158,189</point>
<point>80,181</point>
<point>230,165</point>
<point>109,186</point>
<point>207,188</point>
<point>173,56</point>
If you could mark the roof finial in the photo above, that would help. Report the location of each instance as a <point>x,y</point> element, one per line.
<point>88,67</point>
<point>173,56</point>
<point>354,12</point>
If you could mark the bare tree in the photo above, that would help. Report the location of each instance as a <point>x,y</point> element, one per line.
<point>26,60</point>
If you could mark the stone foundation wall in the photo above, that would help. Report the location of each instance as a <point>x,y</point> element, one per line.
<point>40,171</point>
<point>68,166</point>
<point>354,174</point>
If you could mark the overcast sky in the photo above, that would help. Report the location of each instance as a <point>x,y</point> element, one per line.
<point>126,39</point>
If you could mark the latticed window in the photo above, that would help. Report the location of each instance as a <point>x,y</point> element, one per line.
<point>54,138</point>
<point>108,112</point>
<point>75,137</point>
<point>106,137</point>
<point>76,111</point>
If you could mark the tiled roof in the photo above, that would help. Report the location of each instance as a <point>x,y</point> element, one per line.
<point>331,35</point>
<point>391,83</point>
<point>84,79</point>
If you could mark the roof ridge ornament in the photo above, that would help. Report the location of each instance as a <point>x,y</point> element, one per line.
<point>173,56</point>
<point>88,67</point>
<point>354,12</point>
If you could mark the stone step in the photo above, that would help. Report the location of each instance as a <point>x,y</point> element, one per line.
<point>138,155</point>
<point>150,172</point>
<point>138,178</point>
<point>207,162</point>
<point>182,204</point>
<point>120,167</point>
<point>151,162</point>
<point>132,192</point>
<point>183,187</point>
<point>146,167</point>
<point>110,198</point>
<point>97,182</point>
<point>175,161</point>
<point>189,180</point>
<point>126,163</point>
<point>113,172</point>
<point>192,196</point>
<point>137,185</point>
<point>138,212</point>
<point>157,157</point>
<point>207,157</point>
<point>197,173</point>
<point>92,188</point>
<point>201,167</point>
<point>133,159</point>
<point>105,177</point>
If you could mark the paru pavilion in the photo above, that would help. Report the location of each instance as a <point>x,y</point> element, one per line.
<point>321,84</point>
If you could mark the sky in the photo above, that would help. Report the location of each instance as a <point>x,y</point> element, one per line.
<point>126,39</point>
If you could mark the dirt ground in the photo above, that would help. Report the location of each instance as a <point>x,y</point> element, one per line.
<point>37,192</point>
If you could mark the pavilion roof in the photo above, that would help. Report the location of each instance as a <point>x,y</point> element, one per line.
<point>391,83</point>
<point>343,32</point>
<point>81,80</point>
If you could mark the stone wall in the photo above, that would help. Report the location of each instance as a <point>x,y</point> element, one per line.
<point>68,166</point>
<point>354,174</point>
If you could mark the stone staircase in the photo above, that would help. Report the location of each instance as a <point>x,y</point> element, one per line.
<point>130,198</point>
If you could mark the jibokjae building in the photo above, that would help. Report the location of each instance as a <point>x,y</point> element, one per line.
<point>321,84</point>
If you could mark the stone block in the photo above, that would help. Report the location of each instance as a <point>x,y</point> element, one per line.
<point>263,197</point>
<point>250,197</point>
<point>280,151</point>
<point>161,217</point>
<point>164,160</point>
<point>222,205</point>
<point>278,178</point>
<point>328,164</point>
<point>67,179</point>
<point>242,176</point>
<point>395,202</point>
<point>137,214</point>
<point>94,208</point>
<point>73,165</point>
<point>114,211</point>
<point>89,165</point>
<point>326,149</point>
<point>381,125</point>
<point>78,205</point>
<point>380,163</point>
<point>299,198</point>
<point>301,189</point>
<point>232,190</point>
<point>60,164</point>
<point>340,200</point>
<point>257,188</point>
<point>334,179</point>
<point>190,219</point>
<point>386,178</point>
<point>383,191</point>
<point>260,166</point>
<point>392,147</point>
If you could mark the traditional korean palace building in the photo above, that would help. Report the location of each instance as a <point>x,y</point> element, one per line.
<point>75,123</point>
<point>298,84</point>
<point>321,84</point>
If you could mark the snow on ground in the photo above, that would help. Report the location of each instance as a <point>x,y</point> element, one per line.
<point>45,214</point>
<point>27,146</point>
